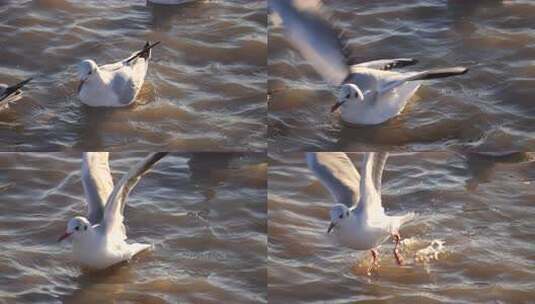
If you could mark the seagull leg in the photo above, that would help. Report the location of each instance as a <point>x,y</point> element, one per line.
<point>373,263</point>
<point>397,255</point>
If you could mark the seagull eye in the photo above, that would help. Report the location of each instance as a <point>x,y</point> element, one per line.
<point>341,215</point>
<point>348,95</point>
<point>90,72</point>
<point>77,228</point>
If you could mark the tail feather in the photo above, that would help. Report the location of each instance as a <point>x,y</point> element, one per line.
<point>399,220</point>
<point>136,248</point>
<point>438,73</point>
<point>407,218</point>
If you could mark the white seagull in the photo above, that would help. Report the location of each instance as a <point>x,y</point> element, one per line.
<point>116,84</point>
<point>9,94</point>
<point>369,93</point>
<point>99,240</point>
<point>358,218</point>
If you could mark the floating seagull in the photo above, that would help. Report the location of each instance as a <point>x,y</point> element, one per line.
<point>116,84</point>
<point>358,218</point>
<point>12,93</point>
<point>370,93</point>
<point>99,240</point>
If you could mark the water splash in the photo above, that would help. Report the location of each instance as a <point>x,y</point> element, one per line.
<point>431,252</point>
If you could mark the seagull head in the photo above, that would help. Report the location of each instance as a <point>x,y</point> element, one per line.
<point>338,213</point>
<point>348,91</point>
<point>86,68</point>
<point>76,227</point>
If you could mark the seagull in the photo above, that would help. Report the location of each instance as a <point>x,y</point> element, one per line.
<point>9,94</point>
<point>358,219</point>
<point>99,241</point>
<point>116,84</point>
<point>369,93</point>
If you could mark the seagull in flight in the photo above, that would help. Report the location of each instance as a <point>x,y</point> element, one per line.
<point>358,219</point>
<point>99,241</point>
<point>369,93</point>
<point>9,94</point>
<point>116,84</point>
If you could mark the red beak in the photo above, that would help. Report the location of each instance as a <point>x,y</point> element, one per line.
<point>64,236</point>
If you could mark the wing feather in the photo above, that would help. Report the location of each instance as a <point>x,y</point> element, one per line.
<point>337,173</point>
<point>307,29</point>
<point>113,214</point>
<point>97,182</point>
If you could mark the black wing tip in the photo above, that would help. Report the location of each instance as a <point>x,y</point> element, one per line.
<point>145,52</point>
<point>26,81</point>
<point>15,88</point>
<point>156,157</point>
<point>160,155</point>
<point>400,63</point>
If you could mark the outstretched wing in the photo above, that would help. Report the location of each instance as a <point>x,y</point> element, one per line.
<point>97,182</point>
<point>379,161</point>
<point>113,214</point>
<point>370,187</point>
<point>388,64</point>
<point>314,37</point>
<point>396,80</point>
<point>337,173</point>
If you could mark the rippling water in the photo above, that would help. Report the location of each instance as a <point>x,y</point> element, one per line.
<point>480,206</point>
<point>204,213</point>
<point>205,89</point>
<point>489,109</point>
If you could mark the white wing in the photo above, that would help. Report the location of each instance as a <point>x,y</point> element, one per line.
<point>312,35</point>
<point>370,187</point>
<point>337,173</point>
<point>97,182</point>
<point>113,214</point>
<point>379,162</point>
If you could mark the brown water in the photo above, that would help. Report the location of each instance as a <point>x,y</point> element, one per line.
<point>489,109</point>
<point>205,89</point>
<point>204,213</point>
<point>481,207</point>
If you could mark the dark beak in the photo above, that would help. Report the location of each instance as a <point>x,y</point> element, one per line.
<point>64,236</point>
<point>336,106</point>
<point>331,226</point>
